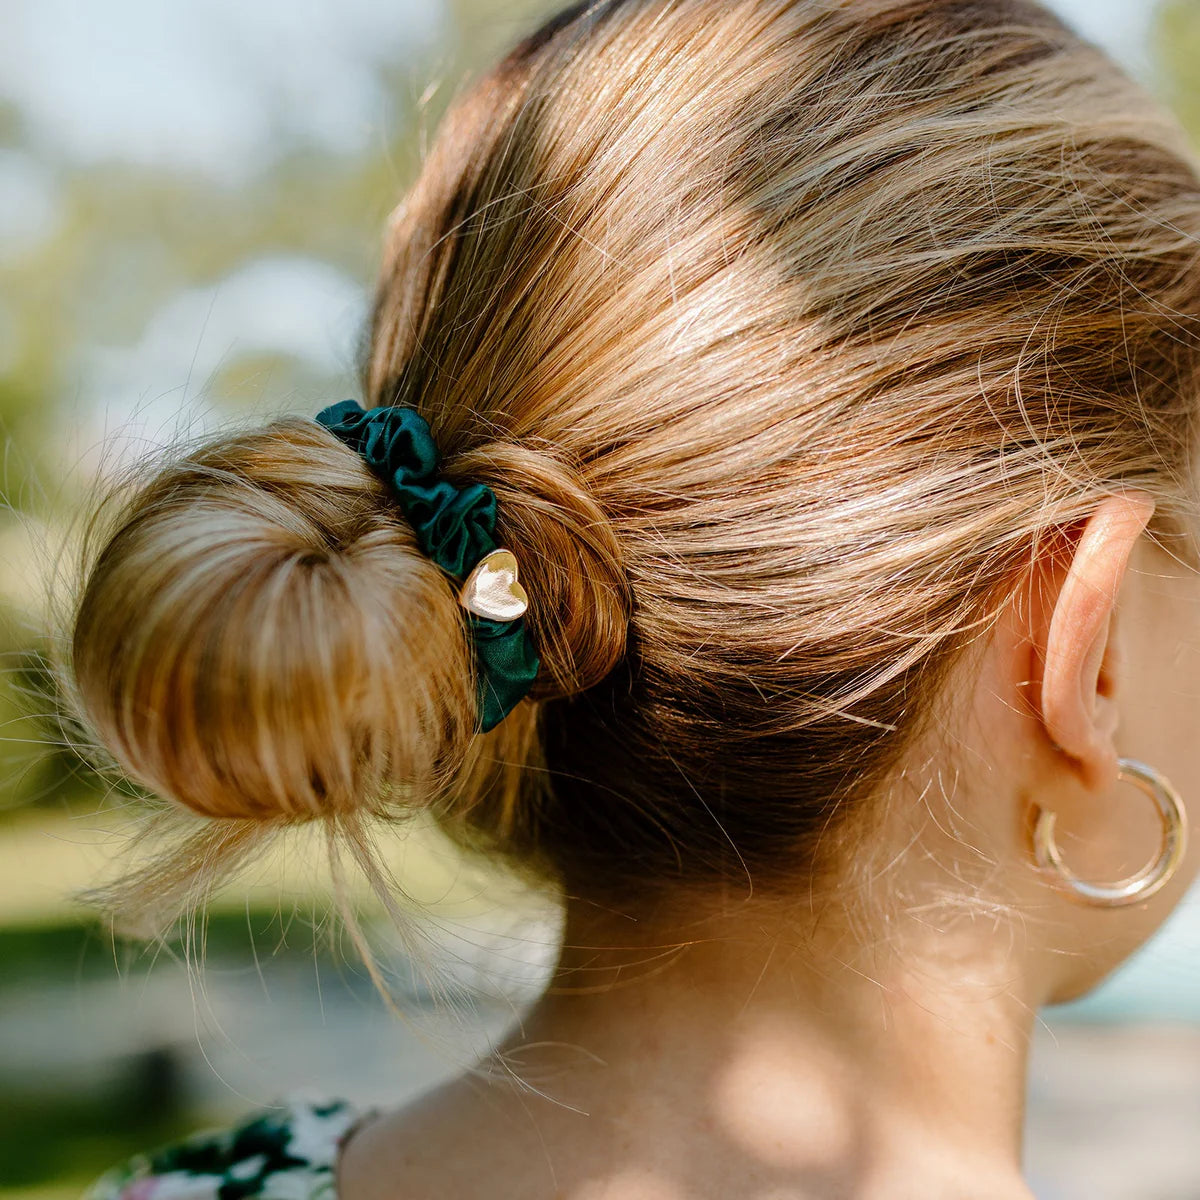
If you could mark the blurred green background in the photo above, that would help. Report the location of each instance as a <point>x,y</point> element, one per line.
<point>191,201</point>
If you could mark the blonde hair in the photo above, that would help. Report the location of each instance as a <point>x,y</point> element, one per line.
<point>783,330</point>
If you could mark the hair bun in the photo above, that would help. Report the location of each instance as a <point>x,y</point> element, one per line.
<point>260,636</point>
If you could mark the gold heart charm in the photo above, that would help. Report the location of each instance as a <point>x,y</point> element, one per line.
<point>491,590</point>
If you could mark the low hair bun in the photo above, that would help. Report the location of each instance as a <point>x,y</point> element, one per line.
<point>259,636</point>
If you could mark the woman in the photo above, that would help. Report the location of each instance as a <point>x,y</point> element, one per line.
<point>772,519</point>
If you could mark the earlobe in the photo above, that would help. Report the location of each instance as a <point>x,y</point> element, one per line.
<point>1080,660</point>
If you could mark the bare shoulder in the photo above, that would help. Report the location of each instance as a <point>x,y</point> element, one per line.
<point>460,1140</point>
<point>473,1141</point>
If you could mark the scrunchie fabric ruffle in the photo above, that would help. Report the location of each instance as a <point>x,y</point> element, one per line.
<point>454,526</point>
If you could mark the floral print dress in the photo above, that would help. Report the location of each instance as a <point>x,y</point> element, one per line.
<point>283,1153</point>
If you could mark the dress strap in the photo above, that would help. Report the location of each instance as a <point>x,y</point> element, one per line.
<point>287,1151</point>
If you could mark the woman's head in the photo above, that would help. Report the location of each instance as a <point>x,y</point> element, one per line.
<point>789,335</point>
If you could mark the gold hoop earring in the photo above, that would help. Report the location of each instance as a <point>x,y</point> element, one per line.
<point>1151,877</point>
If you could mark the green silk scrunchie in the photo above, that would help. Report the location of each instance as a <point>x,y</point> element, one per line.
<point>455,527</point>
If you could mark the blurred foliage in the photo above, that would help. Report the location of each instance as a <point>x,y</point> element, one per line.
<point>71,1138</point>
<point>80,949</point>
<point>1176,47</point>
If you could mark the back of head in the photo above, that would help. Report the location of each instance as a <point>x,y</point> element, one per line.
<point>782,330</point>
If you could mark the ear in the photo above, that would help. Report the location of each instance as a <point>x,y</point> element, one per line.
<point>1080,659</point>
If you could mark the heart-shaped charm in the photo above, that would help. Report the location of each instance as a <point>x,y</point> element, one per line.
<point>491,590</point>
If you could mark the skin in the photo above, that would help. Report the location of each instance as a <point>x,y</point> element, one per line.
<point>789,1051</point>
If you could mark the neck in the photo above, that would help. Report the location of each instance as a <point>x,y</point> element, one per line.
<point>798,1049</point>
